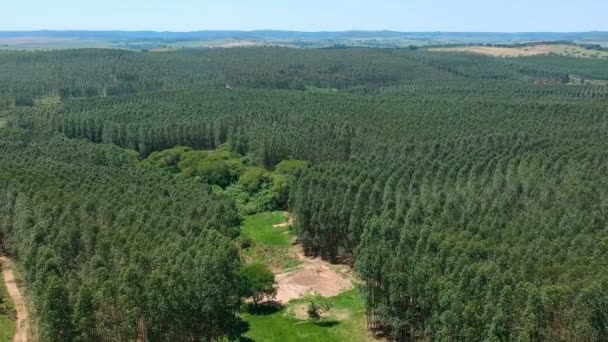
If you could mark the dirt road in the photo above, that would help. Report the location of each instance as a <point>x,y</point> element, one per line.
<point>21,326</point>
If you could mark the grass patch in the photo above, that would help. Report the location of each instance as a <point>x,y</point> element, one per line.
<point>269,245</point>
<point>7,315</point>
<point>346,322</point>
<point>2,122</point>
<point>259,228</point>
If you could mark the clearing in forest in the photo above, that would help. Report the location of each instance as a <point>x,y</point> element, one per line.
<point>2,122</point>
<point>22,317</point>
<point>236,44</point>
<point>526,51</point>
<point>297,278</point>
<point>344,322</point>
<point>297,275</point>
<point>313,276</point>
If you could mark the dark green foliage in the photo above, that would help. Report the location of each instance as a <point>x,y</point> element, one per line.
<point>317,306</point>
<point>594,68</point>
<point>259,282</point>
<point>65,74</point>
<point>106,244</point>
<point>469,192</point>
<point>57,325</point>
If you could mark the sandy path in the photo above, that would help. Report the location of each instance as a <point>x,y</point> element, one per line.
<point>21,326</point>
<point>287,224</point>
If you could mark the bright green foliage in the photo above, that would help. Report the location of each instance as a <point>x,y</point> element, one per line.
<point>268,244</point>
<point>253,178</point>
<point>284,175</point>
<point>252,188</point>
<point>259,282</point>
<point>217,168</point>
<point>167,159</point>
<point>346,322</point>
<point>220,167</point>
<point>291,167</point>
<point>317,306</point>
<point>259,228</point>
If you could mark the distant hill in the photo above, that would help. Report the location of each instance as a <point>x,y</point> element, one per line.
<point>289,35</point>
<point>164,41</point>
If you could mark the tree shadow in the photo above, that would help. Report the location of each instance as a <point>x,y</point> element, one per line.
<point>263,309</point>
<point>240,327</point>
<point>327,324</point>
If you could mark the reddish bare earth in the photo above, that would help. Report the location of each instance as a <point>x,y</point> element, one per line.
<point>22,324</point>
<point>314,276</point>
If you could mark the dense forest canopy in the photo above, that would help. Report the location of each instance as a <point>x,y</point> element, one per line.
<point>469,192</point>
<point>28,78</point>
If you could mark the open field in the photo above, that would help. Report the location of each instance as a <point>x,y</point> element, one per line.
<point>41,43</point>
<point>527,51</point>
<point>345,322</point>
<point>270,245</point>
<point>313,276</point>
<point>260,228</point>
<point>270,232</point>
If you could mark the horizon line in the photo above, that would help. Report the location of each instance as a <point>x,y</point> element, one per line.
<point>296,31</point>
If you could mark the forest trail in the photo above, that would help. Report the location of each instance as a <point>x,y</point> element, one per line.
<point>289,222</point>
<point>21,326</point>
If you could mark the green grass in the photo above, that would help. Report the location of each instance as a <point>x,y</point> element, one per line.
<point>259,228</point>
<point>346,322</point>
<point>7,315</point>
<point>270,245</point>
<point>2,122</point>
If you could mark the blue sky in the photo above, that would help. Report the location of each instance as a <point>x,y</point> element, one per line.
<point>307,15</point>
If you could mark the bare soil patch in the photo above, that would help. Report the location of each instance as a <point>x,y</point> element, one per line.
<point>525,51</point>
<point>236,44</point>
<point>22,324</point>
<point>315,275</point>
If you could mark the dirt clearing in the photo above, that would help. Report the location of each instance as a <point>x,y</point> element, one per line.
<point>526,51</point>
<point>237,44</point>
<point>314,276</point>
<point>21,326</point>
